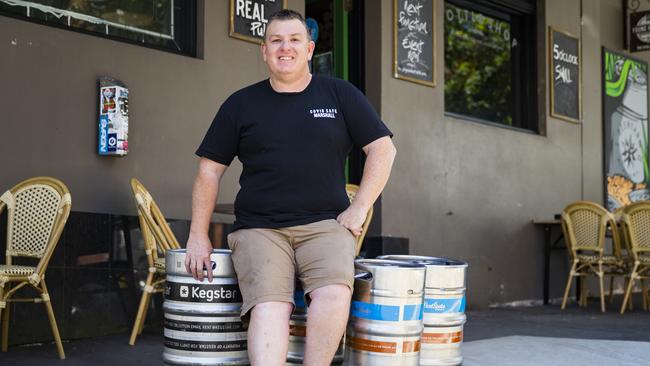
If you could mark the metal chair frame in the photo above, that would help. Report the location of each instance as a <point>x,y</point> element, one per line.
<point>636,221</point>
<point>584,225</point>
<point>158,238</point>
<point>38,209</point>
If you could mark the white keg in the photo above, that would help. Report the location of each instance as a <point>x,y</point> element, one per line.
<point>202,324</point>
<point>386,314</point>
<point>444,309</point>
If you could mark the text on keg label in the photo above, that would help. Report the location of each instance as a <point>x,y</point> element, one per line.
<point>202,293</point>
<point>454,305</point>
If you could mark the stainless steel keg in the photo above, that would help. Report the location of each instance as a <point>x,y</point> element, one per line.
<point>444,309</point>
<point>386,314</point>
<point>298,332</point>
<point>202,324</point>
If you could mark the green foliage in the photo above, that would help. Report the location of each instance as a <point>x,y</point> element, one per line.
<point>478,80</point>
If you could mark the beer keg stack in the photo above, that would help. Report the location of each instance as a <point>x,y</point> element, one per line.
<point>443,309</point>
<point>202,324</point>
<point>405,311</point>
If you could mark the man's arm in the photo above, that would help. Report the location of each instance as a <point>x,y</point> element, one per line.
<point>204,197</point>
<point>380,155</point>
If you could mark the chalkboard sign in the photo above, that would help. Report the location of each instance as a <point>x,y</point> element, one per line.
<point>564,55</point>
<point>248,18</point>
<point>413,48</point>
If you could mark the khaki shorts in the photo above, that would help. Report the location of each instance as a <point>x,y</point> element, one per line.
<point>267,261</point>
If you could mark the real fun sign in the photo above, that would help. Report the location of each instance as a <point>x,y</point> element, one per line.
<point>248,18</point>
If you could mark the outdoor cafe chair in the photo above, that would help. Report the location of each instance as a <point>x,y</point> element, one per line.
<point>351,190</point>
<point>158,238</point>
<point>636,220</point>
<point>37,210</point>
<point>585,224</point>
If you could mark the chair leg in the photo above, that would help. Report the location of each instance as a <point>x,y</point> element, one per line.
<point>629,289</point>
<point>5,307</point>
<point>611,290</point>
<point>5,321</point>
<point>50,315</point>
<point>144,302</point>
<point>568,285</point>
<point>144,314</point>
<point>583,291</point>
<point>602,288</point>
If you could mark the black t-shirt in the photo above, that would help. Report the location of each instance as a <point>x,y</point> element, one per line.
<point>293,148</point>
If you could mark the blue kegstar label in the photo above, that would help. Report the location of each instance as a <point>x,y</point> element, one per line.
<point>412,312</point>
<point>369,311</point>
<point>440,306</point>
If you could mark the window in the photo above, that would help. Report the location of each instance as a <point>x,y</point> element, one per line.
<point>169,25</point>
<point>490,62</point>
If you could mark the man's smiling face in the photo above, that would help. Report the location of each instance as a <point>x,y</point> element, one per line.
<point>287,48</point>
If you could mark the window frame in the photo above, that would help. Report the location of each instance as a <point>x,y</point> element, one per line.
<point>524,104</point>
<point>185,36</point>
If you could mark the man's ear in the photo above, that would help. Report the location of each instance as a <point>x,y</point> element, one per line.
<point>310,49</point>
<point>263,49</point>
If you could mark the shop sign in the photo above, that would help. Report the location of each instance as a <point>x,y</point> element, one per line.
<point>248,18</point>
<point>564,63</point>
<point>640,31</point>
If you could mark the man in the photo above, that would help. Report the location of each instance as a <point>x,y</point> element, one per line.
<point>292,133</point>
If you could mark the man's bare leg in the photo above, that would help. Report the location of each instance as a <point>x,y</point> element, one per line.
<point>268,333</point>
<point>326,320</point>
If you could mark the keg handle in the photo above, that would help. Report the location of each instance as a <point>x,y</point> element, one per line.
<point>213,264</point>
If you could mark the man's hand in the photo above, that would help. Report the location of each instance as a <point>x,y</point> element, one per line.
<point>197,257</point>
<point>352,219</point>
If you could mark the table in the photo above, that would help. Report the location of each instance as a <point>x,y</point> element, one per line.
<point>549,227</point>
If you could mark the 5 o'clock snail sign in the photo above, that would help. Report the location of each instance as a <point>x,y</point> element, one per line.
<point>248,18</point>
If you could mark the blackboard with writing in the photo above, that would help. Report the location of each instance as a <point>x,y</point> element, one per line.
<point>413,49</point>
<point>564,62</point>
<point>248,18</point>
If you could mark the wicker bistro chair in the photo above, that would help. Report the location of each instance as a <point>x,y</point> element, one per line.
<point>38,209</point>
<point>585,225</point>
<point>351,190</point>
<point>158,238</point>
<point>636,221</point>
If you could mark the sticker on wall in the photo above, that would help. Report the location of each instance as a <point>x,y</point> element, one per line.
<point>113,117</point>
<point>625,116</point>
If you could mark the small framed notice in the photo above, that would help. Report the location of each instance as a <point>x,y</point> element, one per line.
<point>564,74</point>
<point>413,41</point>
<point>248,18</point>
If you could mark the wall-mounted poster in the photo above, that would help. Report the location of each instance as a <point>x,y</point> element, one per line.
<point>625,117</point>
<point>564,54</point>
<point>248,18</point>
<point>113,117</point>
<point>413,48</point>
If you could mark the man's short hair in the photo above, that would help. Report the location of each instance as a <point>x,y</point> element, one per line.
<point>287,14</point>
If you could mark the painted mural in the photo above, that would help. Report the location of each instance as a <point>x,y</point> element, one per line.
<point>625,116</point>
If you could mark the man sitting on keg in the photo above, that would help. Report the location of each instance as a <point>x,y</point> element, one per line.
<point>292,132</point>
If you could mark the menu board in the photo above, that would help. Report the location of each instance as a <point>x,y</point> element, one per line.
<point>248,18</point>
<point>564,62</point>
<point>413,48</point>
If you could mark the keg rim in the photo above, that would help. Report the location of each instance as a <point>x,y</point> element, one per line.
<point>388,263</point>
<point>214,251</point>
<point>425,260</point>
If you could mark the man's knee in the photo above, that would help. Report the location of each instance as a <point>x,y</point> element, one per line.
<point>273,309</point>
<point>335,293</point>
